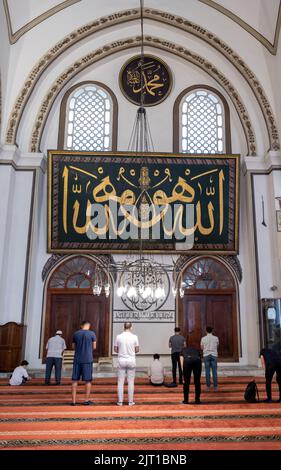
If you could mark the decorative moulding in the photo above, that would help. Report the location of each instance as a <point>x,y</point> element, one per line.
<point>125,44</point>
<point>121,17</point>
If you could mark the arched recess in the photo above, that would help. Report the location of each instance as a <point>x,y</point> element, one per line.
<point>176,116</point>
<point>63,110</point>
<point>122,17</point>
<point>210,299</point>
<point>125,44</point>
<point>69,299</point>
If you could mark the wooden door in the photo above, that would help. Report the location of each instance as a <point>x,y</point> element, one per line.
<point>95,309</point>
<point>194,321</point>
<point>12,339</point>
<point>65,316</point>
<point>219,315</point>
<point>196,311</point>
<point>66,311</point>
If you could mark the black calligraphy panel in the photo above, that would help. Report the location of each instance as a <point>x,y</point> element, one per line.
<point>108,202</point>
<point>152,80</point>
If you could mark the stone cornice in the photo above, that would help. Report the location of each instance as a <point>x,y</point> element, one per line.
<point>10,155</point>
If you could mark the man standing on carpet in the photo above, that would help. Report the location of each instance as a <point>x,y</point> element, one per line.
<point>271,361</point>
<point>84,343</point>
<point>210,344</point>
<point>126,346</point>
<point>176,343</point>
<point>191,362</point>
<point>55,347</point>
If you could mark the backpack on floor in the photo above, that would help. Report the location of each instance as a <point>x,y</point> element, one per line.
<point>251,393</point>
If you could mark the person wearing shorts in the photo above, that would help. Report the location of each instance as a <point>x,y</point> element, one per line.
<point>84,342</point>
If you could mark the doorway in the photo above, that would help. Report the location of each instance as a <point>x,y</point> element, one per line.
<point>210,300</point>
<point>70,300</point>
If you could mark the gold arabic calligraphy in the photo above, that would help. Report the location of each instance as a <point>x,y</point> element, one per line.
<point>103,192</point>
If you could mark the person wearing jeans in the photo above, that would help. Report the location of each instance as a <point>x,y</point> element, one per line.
<point>55,347</point>
<point>126,346</point>
<point>210,344</point>
<point>210,362</point>
<point>176,343</point>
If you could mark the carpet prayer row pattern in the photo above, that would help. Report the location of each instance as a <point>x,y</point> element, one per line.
<point>35,416</point>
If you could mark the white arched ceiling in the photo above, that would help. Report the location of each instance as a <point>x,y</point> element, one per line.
<point>22,16</point>
<point>120,19</point>
<point>33,45</point>
<point>122,45</point>
<point>261,19</point>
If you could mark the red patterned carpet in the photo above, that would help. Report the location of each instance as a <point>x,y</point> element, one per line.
<point>40,417</point>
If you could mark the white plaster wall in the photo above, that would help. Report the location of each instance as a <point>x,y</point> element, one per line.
<point>249,322</point>
<point>15,240</point>
<point>34,44</point>
<point>255,13</point>
<point>160,117</point>
<point>269,267</point>
<point>186,75</point>
<point>4,67</point>
<point>39,257</point>
<point>6,175</point>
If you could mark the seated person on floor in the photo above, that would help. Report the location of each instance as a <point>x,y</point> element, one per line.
<point>20,375</point>
<point>156,371</point>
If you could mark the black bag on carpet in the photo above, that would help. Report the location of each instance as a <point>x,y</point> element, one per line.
<point>251,393</point>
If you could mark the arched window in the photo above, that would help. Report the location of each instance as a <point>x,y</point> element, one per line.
<point>88,118</point>
<point>77,273</point>
<point>207,273</point>
<point>203,122</point>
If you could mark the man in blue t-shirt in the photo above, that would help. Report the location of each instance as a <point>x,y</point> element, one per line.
<point>84,343</point>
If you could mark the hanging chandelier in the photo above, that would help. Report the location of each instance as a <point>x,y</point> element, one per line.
<point>142,282</point>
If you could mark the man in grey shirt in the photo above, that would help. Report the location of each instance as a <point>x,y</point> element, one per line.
<point>176,343</point>
<point>55,347</point>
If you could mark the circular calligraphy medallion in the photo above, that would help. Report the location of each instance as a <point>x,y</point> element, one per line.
<point>154,83</point>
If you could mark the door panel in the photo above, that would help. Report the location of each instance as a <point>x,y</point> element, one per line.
<point>198,311</point>
<point>95,310</point>
<point>67,311</point>
<point>219,315</point>
<point>194,318</point>
<point>64,316</point>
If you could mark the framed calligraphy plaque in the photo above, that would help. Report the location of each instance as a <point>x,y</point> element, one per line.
<point>154,83</point>
<point>108,202</point>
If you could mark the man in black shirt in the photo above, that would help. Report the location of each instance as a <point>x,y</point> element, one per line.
<point>176,343</point>
<point>271,361</point>
<point>191,361</point>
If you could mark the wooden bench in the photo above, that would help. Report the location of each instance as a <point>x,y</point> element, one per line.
<point>105,360</point>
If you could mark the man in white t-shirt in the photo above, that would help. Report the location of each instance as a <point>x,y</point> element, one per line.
<point>156,371</point>
<point>126,346</point>
<point>20,375</point>
<point>55,347</point>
